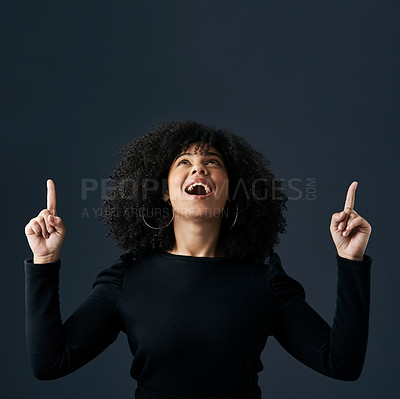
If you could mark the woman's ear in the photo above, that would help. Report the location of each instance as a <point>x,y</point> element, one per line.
<point>166,196</point>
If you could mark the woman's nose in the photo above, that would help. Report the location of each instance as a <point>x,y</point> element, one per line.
<point>200,169</point>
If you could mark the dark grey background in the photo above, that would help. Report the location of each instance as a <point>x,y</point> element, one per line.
<point>312,85</point>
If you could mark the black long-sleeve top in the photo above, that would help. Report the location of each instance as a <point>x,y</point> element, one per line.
<point>196,326</point>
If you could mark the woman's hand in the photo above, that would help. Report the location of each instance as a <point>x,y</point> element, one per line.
<point>46,232</point>
<point>350,232</point>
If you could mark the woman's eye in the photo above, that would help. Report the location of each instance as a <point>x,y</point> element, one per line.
<point>183,160</point>
<point>214,160</point>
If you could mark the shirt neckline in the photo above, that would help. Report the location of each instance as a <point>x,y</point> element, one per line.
<point>189,258</point>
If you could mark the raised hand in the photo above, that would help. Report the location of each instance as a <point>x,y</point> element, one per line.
<point>46,231</point>
<point>350,232</point>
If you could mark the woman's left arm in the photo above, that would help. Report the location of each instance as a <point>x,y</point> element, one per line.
<point>337,351</point>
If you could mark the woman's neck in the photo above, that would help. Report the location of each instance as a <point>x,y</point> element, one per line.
<point>197,239</point>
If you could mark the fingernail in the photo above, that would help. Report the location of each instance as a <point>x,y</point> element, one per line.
<point>52,218</point>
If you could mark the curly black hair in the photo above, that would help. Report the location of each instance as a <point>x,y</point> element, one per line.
<point>139,182</point>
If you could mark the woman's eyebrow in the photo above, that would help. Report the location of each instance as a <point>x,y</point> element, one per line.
<point>188,153</point>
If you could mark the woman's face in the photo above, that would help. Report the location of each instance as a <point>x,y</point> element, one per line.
<point>205,200</point>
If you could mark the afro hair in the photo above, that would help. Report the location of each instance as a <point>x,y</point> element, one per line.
<point>139,182</point>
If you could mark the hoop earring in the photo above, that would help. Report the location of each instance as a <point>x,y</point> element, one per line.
<point>159,228</point>
<point>236,215</point>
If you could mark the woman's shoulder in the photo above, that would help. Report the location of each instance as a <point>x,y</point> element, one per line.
<point>274,265</point>
<point>115,273</point>
<point>282,284</point>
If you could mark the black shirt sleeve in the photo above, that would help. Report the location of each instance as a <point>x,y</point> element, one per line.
<point>337,351</point>
<point>56,348</point>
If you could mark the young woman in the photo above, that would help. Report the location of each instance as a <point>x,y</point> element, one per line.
<point>198,289</point>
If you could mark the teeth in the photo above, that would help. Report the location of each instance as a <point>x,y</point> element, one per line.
<point>190,188</point>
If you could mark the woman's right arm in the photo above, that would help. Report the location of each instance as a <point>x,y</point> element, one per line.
<point>56,349</point>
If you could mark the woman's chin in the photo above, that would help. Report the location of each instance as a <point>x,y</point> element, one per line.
<point>190,212</point>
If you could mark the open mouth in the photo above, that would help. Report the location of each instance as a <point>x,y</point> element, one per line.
<point>199,189</point>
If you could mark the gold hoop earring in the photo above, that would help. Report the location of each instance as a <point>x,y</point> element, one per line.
<point>159,228</point>
<point>236,215</point>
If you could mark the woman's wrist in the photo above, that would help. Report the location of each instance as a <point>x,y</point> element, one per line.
<point>359,258</point>
<point>45,259</point>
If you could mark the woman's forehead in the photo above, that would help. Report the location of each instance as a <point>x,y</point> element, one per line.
<point>201,147</point>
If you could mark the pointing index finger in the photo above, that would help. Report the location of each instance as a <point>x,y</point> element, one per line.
<point>51,197</point>
<point>351,193</point>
